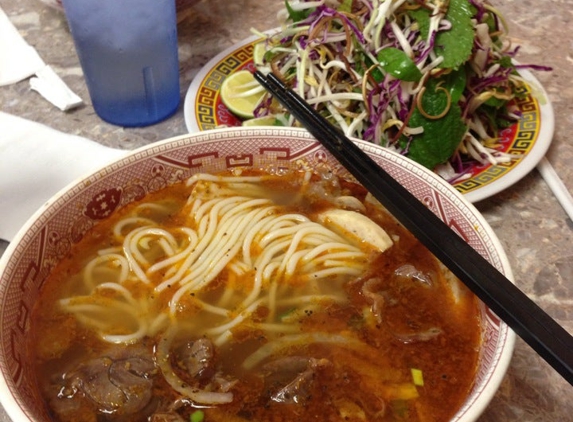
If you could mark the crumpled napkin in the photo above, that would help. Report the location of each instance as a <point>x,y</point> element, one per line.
<point>36,162</point>
<point>19,60</point>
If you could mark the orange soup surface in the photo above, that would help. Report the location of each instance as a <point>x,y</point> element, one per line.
<point>254,298</point>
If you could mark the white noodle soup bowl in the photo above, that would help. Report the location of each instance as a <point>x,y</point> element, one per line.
<point>48,236</point>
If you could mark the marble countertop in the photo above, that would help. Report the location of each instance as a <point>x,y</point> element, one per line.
<point>531,225</point>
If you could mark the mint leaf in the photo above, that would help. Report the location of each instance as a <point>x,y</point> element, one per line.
<point>422,17</point>
<point>398,64</point>
<point>496,116</point>
<point>495,102</point>
<point>439,140</point>
<point>506,62</point>
<point>456,44</point>
<point>441,136</point>
<point>455,82</point>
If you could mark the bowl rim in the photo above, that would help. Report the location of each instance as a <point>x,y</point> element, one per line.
<point>468,413</point>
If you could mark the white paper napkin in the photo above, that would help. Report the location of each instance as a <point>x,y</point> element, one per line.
<point>19,60</point>
<point>36,162</point>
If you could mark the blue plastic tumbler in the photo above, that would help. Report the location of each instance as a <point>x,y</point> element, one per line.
<point>128,53</point>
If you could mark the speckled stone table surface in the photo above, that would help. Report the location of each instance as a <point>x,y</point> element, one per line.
<point>533,228</point>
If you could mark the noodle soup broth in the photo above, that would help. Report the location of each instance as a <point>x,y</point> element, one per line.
<point>253,297</point>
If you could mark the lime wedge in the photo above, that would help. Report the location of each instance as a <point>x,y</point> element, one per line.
<point>259,51</point>
<point>261,121</point>
<point>241,93</point>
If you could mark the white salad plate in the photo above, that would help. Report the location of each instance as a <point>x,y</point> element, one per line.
<point>530,137</point>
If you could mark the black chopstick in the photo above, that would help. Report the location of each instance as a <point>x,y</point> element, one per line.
<point>551,341</point>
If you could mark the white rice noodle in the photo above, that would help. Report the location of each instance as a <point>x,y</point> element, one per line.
<point>234,235</point>
<point>287,341</point>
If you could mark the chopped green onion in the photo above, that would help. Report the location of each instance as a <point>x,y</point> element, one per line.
<point>288,313</point>
<point>417,377</point>
<point>400,408</point>
<point>197,416</point>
